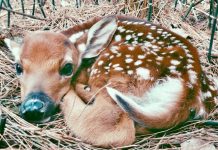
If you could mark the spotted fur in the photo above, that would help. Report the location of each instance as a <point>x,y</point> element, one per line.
<point>151,71</point>
<point>136,73</point>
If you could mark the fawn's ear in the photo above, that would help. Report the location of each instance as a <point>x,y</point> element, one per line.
<point>99,36</point>
<point>14,47</point>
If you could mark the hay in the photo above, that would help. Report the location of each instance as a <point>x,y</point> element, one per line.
<point>55,135</point>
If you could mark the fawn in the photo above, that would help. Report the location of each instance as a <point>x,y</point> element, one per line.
<point>113,77</point>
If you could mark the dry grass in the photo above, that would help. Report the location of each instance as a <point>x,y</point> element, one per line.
<point>55,135</point>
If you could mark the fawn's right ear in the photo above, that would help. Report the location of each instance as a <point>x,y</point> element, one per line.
<point>99,36</point>
<point>14,47</point>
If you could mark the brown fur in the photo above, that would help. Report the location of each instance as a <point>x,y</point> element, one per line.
<point>41,63</point>
<point>102,122</point>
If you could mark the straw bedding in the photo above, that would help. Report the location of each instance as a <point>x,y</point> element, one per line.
<point>55,135</point>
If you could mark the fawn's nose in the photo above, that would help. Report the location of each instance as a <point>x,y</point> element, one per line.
<point>37,107</point>
<point>32,110</point>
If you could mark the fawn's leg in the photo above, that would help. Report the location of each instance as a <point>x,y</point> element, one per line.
<point>101,123</point>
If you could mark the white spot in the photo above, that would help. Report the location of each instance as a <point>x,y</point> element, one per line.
<point>128,55</point>
<point>129,31</point>
<point>172,52</point>
<point>141,56</point>
<point>121,29</point>
<point>131,48</point>
<point>189,56</point>
<point>176,41</point>
<point>143,72</point>
<point>159,32</point>
<point>93,72</point>
<point>130,72</point>
<point>175,72</point>
<point>172,38</point>
<point>140,34</point>
<point>155,46</point>
<point>212,88</point>
<point>106,54</point>
<point>135,22</point>
<point>207,95</point>
<point>100,62</point>
<point>106,67</point>
<point>115,65</point>
<point>189,66</point>
<point>76,36</point>
<point>114,49</point>
<point>128,60</point>
<point>82,47</point>
<point>128,37</point>
<point>118,55</point>
<point>149,37</point>
<point>111,57</point>
<point>192,76</point>
<point>118,68</point>
<point>184,47</point>
<point>175,62</point>
<point>170,47</point>
<point>135,42</point>
<point>153,41</point>
<point>190,61</point>
<point>138,62</point>
<point>160,42</point>
<point>125,21</point>
<point>118,38</point>
<point>172,67</point>
<point>153,27</point>
<point>159,58</point>
<point>147,44</point>
<point>147,24</point>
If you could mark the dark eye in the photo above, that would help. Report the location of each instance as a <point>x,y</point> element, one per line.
<point>19,69</point>
<point>67,69</point>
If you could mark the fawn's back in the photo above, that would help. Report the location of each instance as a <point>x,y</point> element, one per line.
<point>158,70</point>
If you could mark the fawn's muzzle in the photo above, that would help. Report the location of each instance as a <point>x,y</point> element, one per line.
<point>37,107</point>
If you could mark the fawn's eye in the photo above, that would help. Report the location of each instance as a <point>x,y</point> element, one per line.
<point>67,69</point>
<point>19,69</point>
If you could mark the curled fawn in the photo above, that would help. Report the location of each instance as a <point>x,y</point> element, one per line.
<point>113,77</point>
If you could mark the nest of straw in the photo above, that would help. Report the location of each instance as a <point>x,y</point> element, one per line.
<point>55,135</point>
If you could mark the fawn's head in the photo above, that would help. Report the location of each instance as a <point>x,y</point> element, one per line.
<point>45,63</point>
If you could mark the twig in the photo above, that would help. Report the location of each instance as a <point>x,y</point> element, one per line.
<point>19,13</point>
<point>3,118</point>
<point>212,34</point>
<point>150,9</point>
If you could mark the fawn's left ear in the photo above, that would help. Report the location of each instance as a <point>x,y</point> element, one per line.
<point>99,36</point>
<point>14,47</point>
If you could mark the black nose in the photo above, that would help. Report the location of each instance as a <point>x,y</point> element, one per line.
<point>37,107</point>
<point>33,110</point>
